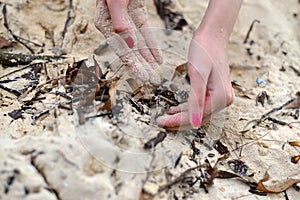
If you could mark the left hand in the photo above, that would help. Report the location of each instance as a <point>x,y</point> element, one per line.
<point>124,24</point>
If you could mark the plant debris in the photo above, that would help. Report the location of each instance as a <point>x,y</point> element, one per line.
<point>262,97</point>
<point>155,141</point>
<point>239,90</point>
<point>238,167</point>
<point>16,114</point>
<point>220,147</point>
<point>295,159</point>
<point>277,188</point>
<point>173,20</point>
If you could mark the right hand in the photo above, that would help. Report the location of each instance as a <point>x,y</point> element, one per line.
<point>211,88</point>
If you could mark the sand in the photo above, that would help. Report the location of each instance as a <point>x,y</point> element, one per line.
<point>56,158</point>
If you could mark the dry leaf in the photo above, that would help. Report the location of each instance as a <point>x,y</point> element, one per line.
<point>111,102</point>
<point>295,159</point>
<point>277,188</point>
<point>145,196</point>
<point>294,144</point>
<point>294,104</point>
<point>98,70</point>
<point>239,90</point>
<point>182,68</point>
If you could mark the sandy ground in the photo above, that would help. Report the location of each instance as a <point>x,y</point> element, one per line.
<point>56,158</point>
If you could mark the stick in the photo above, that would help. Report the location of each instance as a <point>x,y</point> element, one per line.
<point>14,59</point>
<point>67,22</point>
<point>178,179</point>
<point>276,109</point>
<point>250,29</point>
<point>295,70</point>
<point>17,38</point>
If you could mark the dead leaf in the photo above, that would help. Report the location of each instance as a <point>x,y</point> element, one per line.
<point>239,90</point>
<point>295,159</point>
<point>98,70</point>
<point>277,188</point>
<point>111,102</point>
<point>294,144</point>
<point>145,195</point>
<point>181,69</point>
<point>15,114</point>
<point>294,104</point>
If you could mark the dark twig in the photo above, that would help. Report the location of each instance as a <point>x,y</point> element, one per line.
<point>154,141</point>
<point>16,37</point>
<point>250,29</point>
<point>297,71</point>
<point>13,59</point>
<point>180,178</point>
<point>276,109</point>
<point>67,23</point>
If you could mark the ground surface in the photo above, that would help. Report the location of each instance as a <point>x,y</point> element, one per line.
<point>46,154</point>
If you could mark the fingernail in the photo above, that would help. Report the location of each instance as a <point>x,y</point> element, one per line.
<point>128,39</point>
<point>196,119</point>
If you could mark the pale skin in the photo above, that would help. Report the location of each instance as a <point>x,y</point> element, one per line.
<point>208,68</point>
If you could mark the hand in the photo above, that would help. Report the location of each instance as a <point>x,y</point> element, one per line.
<point>124,24</point>
<point>210,85</point>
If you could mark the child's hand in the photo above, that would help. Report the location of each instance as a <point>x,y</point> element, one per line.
<point>211,88</point>
<point>124,24</point>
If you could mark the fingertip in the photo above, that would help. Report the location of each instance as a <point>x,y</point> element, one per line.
<point>196,119</point>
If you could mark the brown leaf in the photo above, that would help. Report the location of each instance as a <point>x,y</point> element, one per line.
<point>294,144</point>
<point>111,102</point>
<point>181,68</point>
<point>4,42</point>
<point>239,90</point>
<point>294,104</point>
<point>145,196</point>
<point>295,159</point>
<point>277,188</point>
<point>98,70</point>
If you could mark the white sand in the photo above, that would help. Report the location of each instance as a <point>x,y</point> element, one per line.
<point>57,154</point>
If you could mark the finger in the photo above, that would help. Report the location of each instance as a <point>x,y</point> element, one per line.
<point>178,117</point>
<point>138,13</point>
<point>120,44</point>
<point>196,97</point>
<point>129,57</point>
<point>172,121</point>
<point>152,66</point>
<point>177,109</point>
<point>199,69</point>
<point>102,19</point>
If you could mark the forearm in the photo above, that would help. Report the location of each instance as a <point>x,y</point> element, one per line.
<point>219,19</point>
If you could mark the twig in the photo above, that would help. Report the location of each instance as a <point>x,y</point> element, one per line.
<point>16,37</point>
<point>154,141</point>
<point>67,23</point>
<point>28,66</point>
<point>10,90</point>
<point>109,114</point>
<point>250,29</point>
<point>13,59</point>
<point>275,109</point>
<point>180,178</point>
<point>295,70</point>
